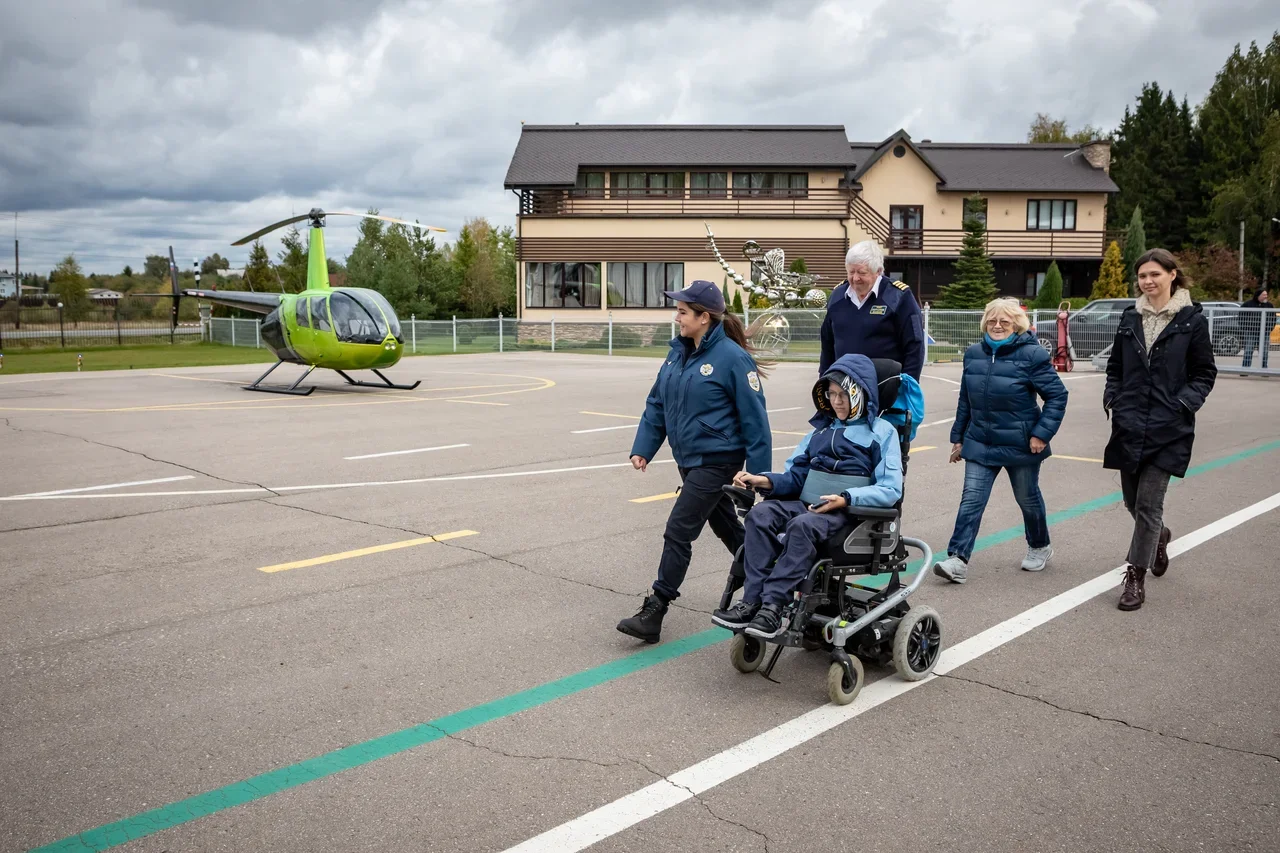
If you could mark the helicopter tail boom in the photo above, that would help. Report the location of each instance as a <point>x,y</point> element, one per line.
<point>261,303</point>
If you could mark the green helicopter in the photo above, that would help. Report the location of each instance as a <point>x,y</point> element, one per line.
<point>337,328</point>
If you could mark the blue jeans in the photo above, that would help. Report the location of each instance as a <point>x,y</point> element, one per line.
<point>978,480</point>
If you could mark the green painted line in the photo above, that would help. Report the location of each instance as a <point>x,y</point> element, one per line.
<point>283,778</point>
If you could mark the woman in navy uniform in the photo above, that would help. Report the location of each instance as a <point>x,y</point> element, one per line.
<point>707,403</point>
<point>870,315</point>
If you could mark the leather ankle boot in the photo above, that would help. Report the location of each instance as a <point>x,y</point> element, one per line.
<point>1134,593</point>
<point>1162,553</point>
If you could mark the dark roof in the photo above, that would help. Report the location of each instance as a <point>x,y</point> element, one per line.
<point>869,159</point>
<point>551,155</point>
<point>1001,167</point>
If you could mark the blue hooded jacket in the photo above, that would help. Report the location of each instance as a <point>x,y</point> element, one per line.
<point>708,404</point>
<point>997,413</point>
<point>866,447</point>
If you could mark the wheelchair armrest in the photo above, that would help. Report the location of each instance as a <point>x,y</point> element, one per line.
<point>744,498</point>
<point>886,512</point>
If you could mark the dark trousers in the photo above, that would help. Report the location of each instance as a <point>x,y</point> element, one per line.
<point>1144,492</point>
<point>771,582</point>
<point>978,480</point>
<point>1250,344</point>
<point>700,501</point>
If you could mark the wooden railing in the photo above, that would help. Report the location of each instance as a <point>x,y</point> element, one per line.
<point>948,242</point>
<point>817,203</point>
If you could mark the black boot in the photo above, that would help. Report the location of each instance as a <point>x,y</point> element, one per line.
<point>1162,553</point>
<point>1134,593</point>
<point>647,624</point>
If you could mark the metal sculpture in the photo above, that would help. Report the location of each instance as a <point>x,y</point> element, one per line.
<point>770,280</point>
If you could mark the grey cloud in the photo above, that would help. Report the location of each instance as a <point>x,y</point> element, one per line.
<point>194,122</point>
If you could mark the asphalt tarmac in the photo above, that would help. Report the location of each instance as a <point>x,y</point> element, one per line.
<point>431,661</point>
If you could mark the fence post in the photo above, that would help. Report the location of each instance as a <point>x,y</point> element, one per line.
<point>455,332</point>
<point>413,333</point>
<point>926,334</point>
<point>746,312</point>
<point>257,335</point>
<point>673,329</point>
<point>610,333</point>
<point>233,331</point>
<point>62,334</point>
<point>119,342</point>
<point>500,345</point>
<point>553,332</point>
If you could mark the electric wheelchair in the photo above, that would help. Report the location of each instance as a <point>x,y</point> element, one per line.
<point>831,610</point>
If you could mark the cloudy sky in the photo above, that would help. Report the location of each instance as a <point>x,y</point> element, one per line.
<point>130,125</point>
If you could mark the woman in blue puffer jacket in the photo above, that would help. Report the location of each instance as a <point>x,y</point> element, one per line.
<point>1000,425</point>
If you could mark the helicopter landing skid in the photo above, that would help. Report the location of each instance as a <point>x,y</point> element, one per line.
<point>386,383</point>
<point>292,389</point>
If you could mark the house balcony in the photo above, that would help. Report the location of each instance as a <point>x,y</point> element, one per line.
<point>787,203</point>
<point>941,242</point>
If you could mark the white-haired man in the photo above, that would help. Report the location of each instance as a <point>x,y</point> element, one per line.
<point>870,315</point>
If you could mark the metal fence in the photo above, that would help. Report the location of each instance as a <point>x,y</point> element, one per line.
<point>1242,338</point>
<point>129,320</point>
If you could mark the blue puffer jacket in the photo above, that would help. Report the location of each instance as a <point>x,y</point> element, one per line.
<point>707,403</point>
<point>866,447</point>
<point>998,413</point>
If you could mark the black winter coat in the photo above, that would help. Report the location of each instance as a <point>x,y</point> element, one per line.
<point>1153,398</point>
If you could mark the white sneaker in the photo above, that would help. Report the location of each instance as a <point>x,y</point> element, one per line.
<point>953,569</point>
<point>1036,558</point>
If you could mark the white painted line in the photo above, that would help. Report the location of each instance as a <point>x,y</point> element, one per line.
<point>603,429</point>
<point>404,452</point>
<point>937,423</point>
<point>623,813</point>
<point>1098,375</point>
<point>321,486</point>
<point>108,486</point>
<point>939,378</point>
<point>788,409</point>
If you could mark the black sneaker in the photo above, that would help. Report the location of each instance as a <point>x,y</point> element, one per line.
<point>768,623</point>
<point>737,617</point>
<point>647,624</point>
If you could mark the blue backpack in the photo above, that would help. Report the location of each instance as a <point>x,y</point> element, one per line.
<point>910,399</point>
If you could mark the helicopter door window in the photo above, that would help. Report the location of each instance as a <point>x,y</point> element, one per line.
<point>352,321</point>
<point>301,313</point>
<point>319,314</point>
<point>388,312</point>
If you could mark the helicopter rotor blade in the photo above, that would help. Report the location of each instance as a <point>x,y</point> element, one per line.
<point>388,219</point>
<point>283,222</point>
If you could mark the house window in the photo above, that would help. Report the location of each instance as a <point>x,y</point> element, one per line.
<point>771,184</point>
<point>975,208</point>
<point>589,185</point>
<point>646,184</point>
<point>906,226</point>
<point>640,285</point>
<point>1051,214</point>
<point>708,184</point>
<point>567,285</point>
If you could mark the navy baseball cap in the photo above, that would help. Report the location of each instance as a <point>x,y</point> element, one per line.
<point>702,292</point>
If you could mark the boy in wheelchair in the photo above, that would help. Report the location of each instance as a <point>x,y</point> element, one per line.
<point>850,459</point>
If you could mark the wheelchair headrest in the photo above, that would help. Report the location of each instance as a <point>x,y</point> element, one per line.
<point>888,376</point>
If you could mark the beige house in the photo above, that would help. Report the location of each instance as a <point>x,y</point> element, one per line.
<point>612,215</point>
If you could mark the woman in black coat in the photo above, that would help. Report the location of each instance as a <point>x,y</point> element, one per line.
<point>1160,371</point>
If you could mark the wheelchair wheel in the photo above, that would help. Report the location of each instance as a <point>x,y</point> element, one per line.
<point>746,653</point>
<point>917,643</point>
<point>839,690</point>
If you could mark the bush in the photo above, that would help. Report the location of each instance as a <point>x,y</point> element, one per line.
<point>1050,294</point>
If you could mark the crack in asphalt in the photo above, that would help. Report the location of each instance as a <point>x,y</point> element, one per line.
<point>139,453</point>
<point>700,801</point>
<point>1103,719</point>
<point>522,756</point>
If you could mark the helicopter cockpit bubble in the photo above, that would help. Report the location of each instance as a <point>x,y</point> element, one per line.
<point>387,312</point>
<point>356,318</point>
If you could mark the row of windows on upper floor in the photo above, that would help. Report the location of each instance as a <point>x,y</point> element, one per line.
<point>701,184</point>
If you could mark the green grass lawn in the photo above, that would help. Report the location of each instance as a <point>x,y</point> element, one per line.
<point>131,358</point>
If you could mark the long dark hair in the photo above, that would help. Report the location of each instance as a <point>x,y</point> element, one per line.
<point>736,332</point>
<point>1168,263</point>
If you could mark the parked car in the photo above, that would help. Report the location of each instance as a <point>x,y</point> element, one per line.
<point>1093,327</point>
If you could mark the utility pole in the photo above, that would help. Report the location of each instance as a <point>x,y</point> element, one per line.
<point>1240,297</point>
